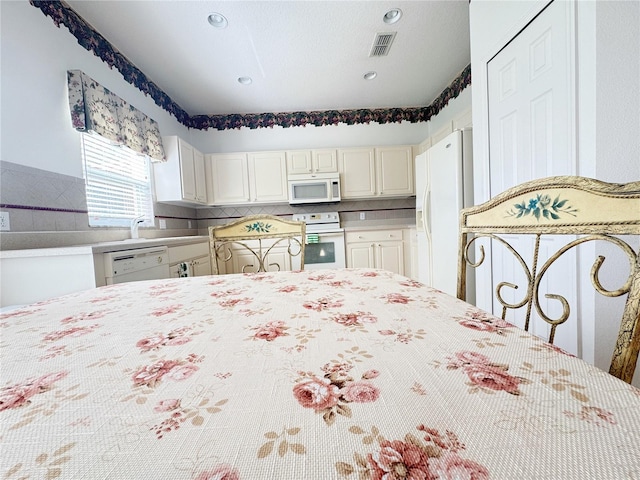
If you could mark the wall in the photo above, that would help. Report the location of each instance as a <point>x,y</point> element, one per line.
<point>41,166</point>
<point>607,112</point>
<point>382,211</point>
<point>40,160</point>
<point>617,137</point>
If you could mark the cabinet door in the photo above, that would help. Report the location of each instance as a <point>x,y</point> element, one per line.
<point>201,266</point>
<point>278,260</point>
<point>245,262</point>
<point>325,161</point>
<point>200,177</point>
<point>299,162</point>
<point>174,271</point>
<point>268,177</point>
<point>394,168</point>
<point>230,178</point>
<point>390,256</point>
<point>357,172</point>
<point>360,255</point>
<point>187,170</point>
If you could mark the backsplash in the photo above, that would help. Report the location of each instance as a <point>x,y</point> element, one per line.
<point>374,210</point>
<point>54,206</point>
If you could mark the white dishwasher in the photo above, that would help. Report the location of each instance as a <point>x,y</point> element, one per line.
<point>139,264</point>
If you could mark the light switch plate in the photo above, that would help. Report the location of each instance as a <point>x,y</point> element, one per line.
<point>362,215</point>
<point>4,222</point>
<point>163,224</point>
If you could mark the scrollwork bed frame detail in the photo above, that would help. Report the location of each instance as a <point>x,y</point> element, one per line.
<point>258,235</point>
<point>586,208</point>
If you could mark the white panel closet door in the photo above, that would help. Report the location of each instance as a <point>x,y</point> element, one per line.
<point>531,135</point>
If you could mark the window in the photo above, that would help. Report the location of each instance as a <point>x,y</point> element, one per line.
<point>118,183</point>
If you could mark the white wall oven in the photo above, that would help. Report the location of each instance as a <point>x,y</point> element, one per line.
<point>325,241</point>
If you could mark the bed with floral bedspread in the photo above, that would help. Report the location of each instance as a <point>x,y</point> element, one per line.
<point>353,373</point>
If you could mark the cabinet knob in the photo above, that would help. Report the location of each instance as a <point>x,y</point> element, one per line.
<point>359,236</point>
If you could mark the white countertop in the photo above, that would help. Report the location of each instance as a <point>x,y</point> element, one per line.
<point>359,225</point>
<point>103,247</point>
<point>130,244</point>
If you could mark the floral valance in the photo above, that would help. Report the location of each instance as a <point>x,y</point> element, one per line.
<point>95,108</point>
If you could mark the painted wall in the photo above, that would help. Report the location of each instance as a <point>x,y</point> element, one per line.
<point>607,112</point>
<point>35,57</point>
<point>617,133</point>
<point>40,154</point>
<point>36,126</point>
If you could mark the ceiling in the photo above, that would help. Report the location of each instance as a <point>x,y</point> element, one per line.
<point>301,55</point>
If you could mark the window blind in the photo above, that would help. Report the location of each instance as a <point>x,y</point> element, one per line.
<point>118,183</point>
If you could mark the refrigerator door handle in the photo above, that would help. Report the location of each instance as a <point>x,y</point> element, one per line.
<point>426,218</point>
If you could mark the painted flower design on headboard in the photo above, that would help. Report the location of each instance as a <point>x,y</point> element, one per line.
<point>541,205</point>
<point>259,227</point>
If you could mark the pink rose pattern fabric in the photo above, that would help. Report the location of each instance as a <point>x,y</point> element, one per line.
<point>434,456</point>
<point>484,374</point>
<point>353,373</point>
<point>331,394</point>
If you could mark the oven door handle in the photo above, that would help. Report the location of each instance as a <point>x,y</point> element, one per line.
<point>312,238</point>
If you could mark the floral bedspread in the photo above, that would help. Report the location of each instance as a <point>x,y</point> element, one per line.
<point>332,374</point>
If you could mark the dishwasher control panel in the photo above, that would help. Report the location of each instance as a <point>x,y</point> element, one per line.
<point>139,264</point>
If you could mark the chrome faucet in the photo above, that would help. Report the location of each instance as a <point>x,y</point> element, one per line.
<point>135,223</point>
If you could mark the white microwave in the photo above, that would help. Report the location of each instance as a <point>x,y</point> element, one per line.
<point>317,188</point>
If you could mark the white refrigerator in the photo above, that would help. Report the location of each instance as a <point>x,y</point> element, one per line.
<point>444,185</point>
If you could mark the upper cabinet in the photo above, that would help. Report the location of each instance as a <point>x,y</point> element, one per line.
<point>189,177</point>
<point>268,177</point>
<point>228,178</point>
<point>242,178</point>
<point>357,172</point>
<point>376,172</point>
<point>394,170</point>
<point>309,162</point>
<point>181,178</point>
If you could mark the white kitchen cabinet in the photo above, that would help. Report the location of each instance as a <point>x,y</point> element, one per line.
<point>267,177</point>
<point>394,171</point>
<point>357,167</point>
<point>228,177</point>
<point>376,172</point>
<point>309,162</point>
<point>383,249</point>
<point>244,178</point>
<point>195,255</point>
<point>181,178</point>
<point>243,261</point>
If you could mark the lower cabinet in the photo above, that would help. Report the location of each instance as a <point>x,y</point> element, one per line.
<point>243,261</point>
<point>191,260</point>
<point>385,249</point>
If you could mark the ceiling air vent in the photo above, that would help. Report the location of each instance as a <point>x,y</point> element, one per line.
<point>382,44</point>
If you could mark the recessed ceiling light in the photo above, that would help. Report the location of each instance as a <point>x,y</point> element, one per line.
<point>245,80</point>
<point>370,75</point>
<point>392,16</point>
<point>217,20</point>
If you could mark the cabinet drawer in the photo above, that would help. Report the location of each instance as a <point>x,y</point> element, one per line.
<point>373,236</point>
<point>181,253</point>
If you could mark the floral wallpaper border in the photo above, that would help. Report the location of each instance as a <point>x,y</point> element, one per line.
<point>91,40</point>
